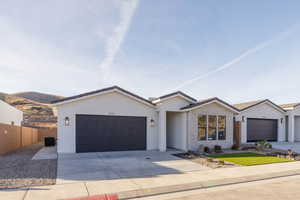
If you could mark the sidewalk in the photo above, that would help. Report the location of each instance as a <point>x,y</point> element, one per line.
<point>138,187</point>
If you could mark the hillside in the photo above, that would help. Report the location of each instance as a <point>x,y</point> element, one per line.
<point>35,113</point>
<point>38,97</point>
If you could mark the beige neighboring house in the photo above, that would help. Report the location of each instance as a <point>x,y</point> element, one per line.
<point>292,121</point>
<point>262,120</point>
<point>10,115</point>
<point>114,119</point>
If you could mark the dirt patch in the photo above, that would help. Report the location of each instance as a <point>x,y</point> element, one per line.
<point>18,170</point>
<point>204,160</point>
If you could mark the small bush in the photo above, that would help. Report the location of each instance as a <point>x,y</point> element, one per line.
<point>235,147</point>
<point>206,149</point>
<point>218,149</point>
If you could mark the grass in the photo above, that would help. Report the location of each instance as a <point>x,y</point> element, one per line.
<point>249,159</point>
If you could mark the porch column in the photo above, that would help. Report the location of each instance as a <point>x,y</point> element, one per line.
<point>162,137</point>
<point>291,132</point>
<point>184,131</point>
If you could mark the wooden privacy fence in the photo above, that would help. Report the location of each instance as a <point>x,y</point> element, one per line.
<point>15,137</point>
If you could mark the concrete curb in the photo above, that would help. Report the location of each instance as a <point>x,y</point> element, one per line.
<point>201,185</point>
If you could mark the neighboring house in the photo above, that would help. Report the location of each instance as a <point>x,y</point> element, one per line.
<point>292,121</point>
<point>113,119</point>
<point>10,115</point>
<point>262,120</point>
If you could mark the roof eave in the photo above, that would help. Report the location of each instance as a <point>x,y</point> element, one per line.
<point>234,110</point>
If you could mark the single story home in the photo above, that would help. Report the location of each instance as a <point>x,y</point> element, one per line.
<point>10,115</point>
<point>114,119</point>
<point>261,120</point>
<point>292,121</point>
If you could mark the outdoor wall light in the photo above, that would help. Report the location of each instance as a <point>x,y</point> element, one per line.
<point>243,118</point>
<point>152,122</point>
<point>67,121</point>
<point>281,120</point>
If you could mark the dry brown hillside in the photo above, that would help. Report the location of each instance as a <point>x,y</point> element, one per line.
<point>38,97</point>
<point>35,113</point>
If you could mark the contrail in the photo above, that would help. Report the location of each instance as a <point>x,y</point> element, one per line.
<point>236,60</point>
<point>114,42</point>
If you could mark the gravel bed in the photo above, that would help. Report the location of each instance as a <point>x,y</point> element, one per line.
<point>18,170</point>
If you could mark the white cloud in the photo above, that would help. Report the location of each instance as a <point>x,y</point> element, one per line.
<point>114,42</point>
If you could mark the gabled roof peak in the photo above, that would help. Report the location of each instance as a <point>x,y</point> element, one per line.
<point>95,92</point>
<point>175,94</point>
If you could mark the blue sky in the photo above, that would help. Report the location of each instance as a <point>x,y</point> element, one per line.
<point>236,50</point>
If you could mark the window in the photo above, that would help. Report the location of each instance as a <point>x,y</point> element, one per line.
<point>202,125</point>
<point>221,127</point>
<point>212,127</point>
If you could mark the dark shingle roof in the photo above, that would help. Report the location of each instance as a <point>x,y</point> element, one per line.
<point>102,90</point>
<point>177,93</point>
<point>207,101</point>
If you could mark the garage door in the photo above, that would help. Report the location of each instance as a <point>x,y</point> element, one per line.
<point>261,129</point>
<point>98,133</point>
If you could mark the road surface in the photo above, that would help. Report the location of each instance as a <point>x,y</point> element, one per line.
<point>287,188</point>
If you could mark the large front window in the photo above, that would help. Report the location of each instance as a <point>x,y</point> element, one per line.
<point>211,127</point>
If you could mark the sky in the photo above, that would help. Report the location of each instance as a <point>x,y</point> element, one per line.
<point>236,50</point>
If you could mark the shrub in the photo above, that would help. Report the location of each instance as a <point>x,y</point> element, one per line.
<point>218,149</point>
<point>206,149</point>
<point>235,147</point>
<point>261,145</point>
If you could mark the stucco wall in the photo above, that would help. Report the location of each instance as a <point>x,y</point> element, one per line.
<point>263,111</point>
<point>210,109</point>
<point>173,104</point>
<point>106,104</point>
<point>176,130</point>
<point>294,124</point>
<point>10,114</point>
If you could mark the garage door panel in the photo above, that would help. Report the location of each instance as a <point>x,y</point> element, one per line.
<point>96,133</point>
<point>261,129</point>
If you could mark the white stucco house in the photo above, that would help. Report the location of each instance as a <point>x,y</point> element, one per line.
<point>10,115</point>
<point>114,119</point>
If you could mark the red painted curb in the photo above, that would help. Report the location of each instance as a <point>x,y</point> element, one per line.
<point>98,197</point>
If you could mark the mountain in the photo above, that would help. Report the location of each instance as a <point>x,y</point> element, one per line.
<point>38,97</point>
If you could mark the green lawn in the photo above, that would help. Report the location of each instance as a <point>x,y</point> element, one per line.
<point>249,159</point>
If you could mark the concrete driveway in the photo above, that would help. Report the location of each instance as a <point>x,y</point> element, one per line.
<point>287,145</point>
<point>116,165</point>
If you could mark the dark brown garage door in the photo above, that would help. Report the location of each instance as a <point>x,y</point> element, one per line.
<point>98,133</point>
<point>261,129</point>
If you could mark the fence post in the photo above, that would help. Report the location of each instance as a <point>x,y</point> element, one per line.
<point>237,133</point>
<point>21,135</point>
